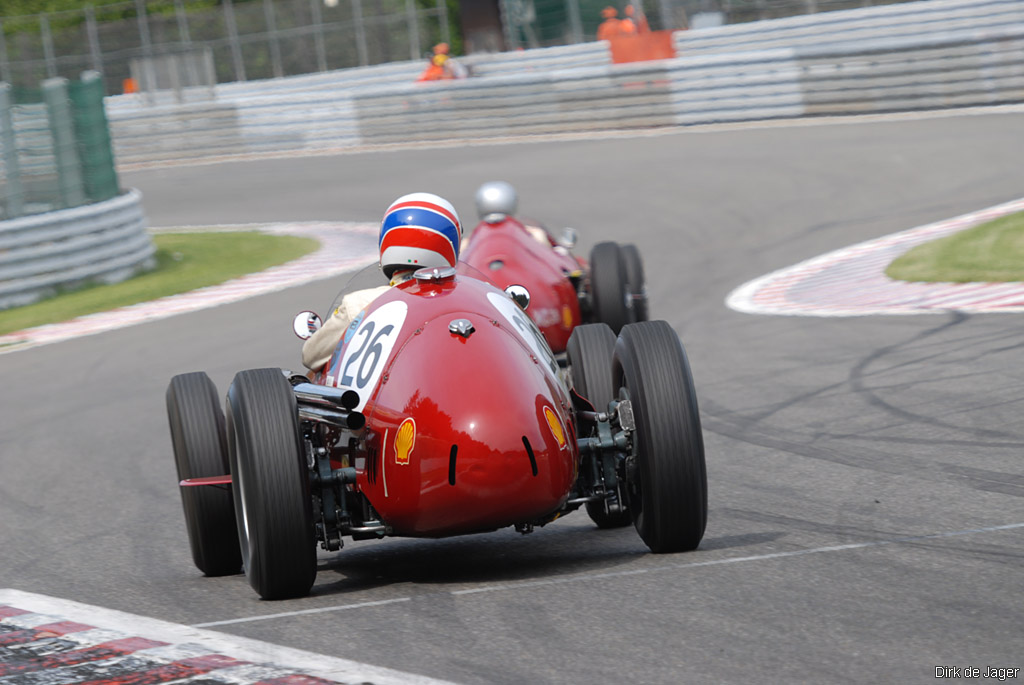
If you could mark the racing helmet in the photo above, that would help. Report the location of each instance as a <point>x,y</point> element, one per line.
<point>496,201</point>
<point>419,230</point>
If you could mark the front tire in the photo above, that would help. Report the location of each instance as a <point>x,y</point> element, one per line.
<point>200,450</point>
<point>666,474</point>
<point>273,503</point>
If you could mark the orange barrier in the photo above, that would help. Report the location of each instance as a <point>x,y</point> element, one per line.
<point>640,47</point>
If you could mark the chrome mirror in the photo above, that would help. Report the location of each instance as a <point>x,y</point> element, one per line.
<point>569,238</point>
<point>306,324</point>
<point>520,295</point>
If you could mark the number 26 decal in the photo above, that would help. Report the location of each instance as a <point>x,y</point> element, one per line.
<point>367,352</point>
<point>363,356</point>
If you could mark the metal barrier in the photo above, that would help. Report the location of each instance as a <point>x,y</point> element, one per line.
<point>56,147</point>
<point>851,27</point>
<point>922,55</point>
<point>42,254</point>
<point>66,222</point>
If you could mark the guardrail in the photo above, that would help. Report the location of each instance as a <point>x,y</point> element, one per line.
<point>45,253</point>
<point>920,55</point>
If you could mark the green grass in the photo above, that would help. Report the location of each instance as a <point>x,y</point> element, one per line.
<point>185,261</point>
<point>993,251</point>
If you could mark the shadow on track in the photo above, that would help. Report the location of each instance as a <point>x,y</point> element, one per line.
<point>500,557</point>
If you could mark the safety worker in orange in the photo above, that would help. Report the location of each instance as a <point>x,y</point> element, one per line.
<point>610,26</point>
<point>637,18</point>
<point>627,27</point>
<point>443,66</point>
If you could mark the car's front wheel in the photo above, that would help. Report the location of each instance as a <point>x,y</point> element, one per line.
<point>270,480</point>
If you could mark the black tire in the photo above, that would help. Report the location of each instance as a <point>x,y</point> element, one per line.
<point>637,282</point>
<point>609,287</point>
<point>270,479</point>
<point>590,350</point>
<point>667,480</point>
<point>200,450</point>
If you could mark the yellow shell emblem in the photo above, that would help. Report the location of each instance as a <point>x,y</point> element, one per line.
<point>405,440</point>
<point>566,317</point>
<point>556,426</point>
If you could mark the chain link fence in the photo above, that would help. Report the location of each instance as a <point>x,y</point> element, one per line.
<point>178,43</point>
<point>57,152</point>
<point>172,44</point>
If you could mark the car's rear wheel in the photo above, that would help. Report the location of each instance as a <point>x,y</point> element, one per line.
<point>635,279</point>
<point>590,350</point>
<point>666,473</point>
<point>270,479</point>
<point>200,450</point>
<point>609,288</point>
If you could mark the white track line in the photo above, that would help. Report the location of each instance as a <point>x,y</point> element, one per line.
<point>852,281</point>
<point>590,577</point>
<point>343,247</point>
<point>301,612</point>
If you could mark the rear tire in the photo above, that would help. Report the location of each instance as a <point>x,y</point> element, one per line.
<point>608,286</point>
<point>667,479</point>
<point>273,503</point>
<point>637,282</point>
<point>590,350</point>
<point>200,450</point>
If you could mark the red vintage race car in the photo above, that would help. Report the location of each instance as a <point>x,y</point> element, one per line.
<point>442,412</point>
<point>565,290</point>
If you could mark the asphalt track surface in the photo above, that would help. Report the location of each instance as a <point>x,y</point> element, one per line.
<point>866,480</point>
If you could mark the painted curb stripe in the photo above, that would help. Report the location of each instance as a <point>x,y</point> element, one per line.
<point>48,641</point>
<point>852,281</point>
<point>343,247</point>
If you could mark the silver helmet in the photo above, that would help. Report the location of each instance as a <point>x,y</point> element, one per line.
<point>495,201</point>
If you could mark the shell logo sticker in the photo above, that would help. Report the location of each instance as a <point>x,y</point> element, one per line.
<point>556,426</point>
<point>405,440</point>
<point>566,317</point>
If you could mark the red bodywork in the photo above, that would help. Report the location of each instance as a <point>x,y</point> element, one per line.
<point>449,418</point>
<point>507,254</point>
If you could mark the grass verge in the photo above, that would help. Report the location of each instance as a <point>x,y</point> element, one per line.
<point>990,252</point>
<point>185,261</point>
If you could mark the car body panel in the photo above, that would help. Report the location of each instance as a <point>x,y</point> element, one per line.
<point>464,433</point>
<point>507,254</point>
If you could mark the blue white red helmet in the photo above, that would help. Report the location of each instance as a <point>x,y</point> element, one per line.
<point>419,230</point>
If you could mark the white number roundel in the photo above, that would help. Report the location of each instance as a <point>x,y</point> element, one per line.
<point>366,351</point>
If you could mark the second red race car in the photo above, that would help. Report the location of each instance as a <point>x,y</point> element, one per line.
<point>565,290</point>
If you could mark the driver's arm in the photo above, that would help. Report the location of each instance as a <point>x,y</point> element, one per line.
<point>317,350</point>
